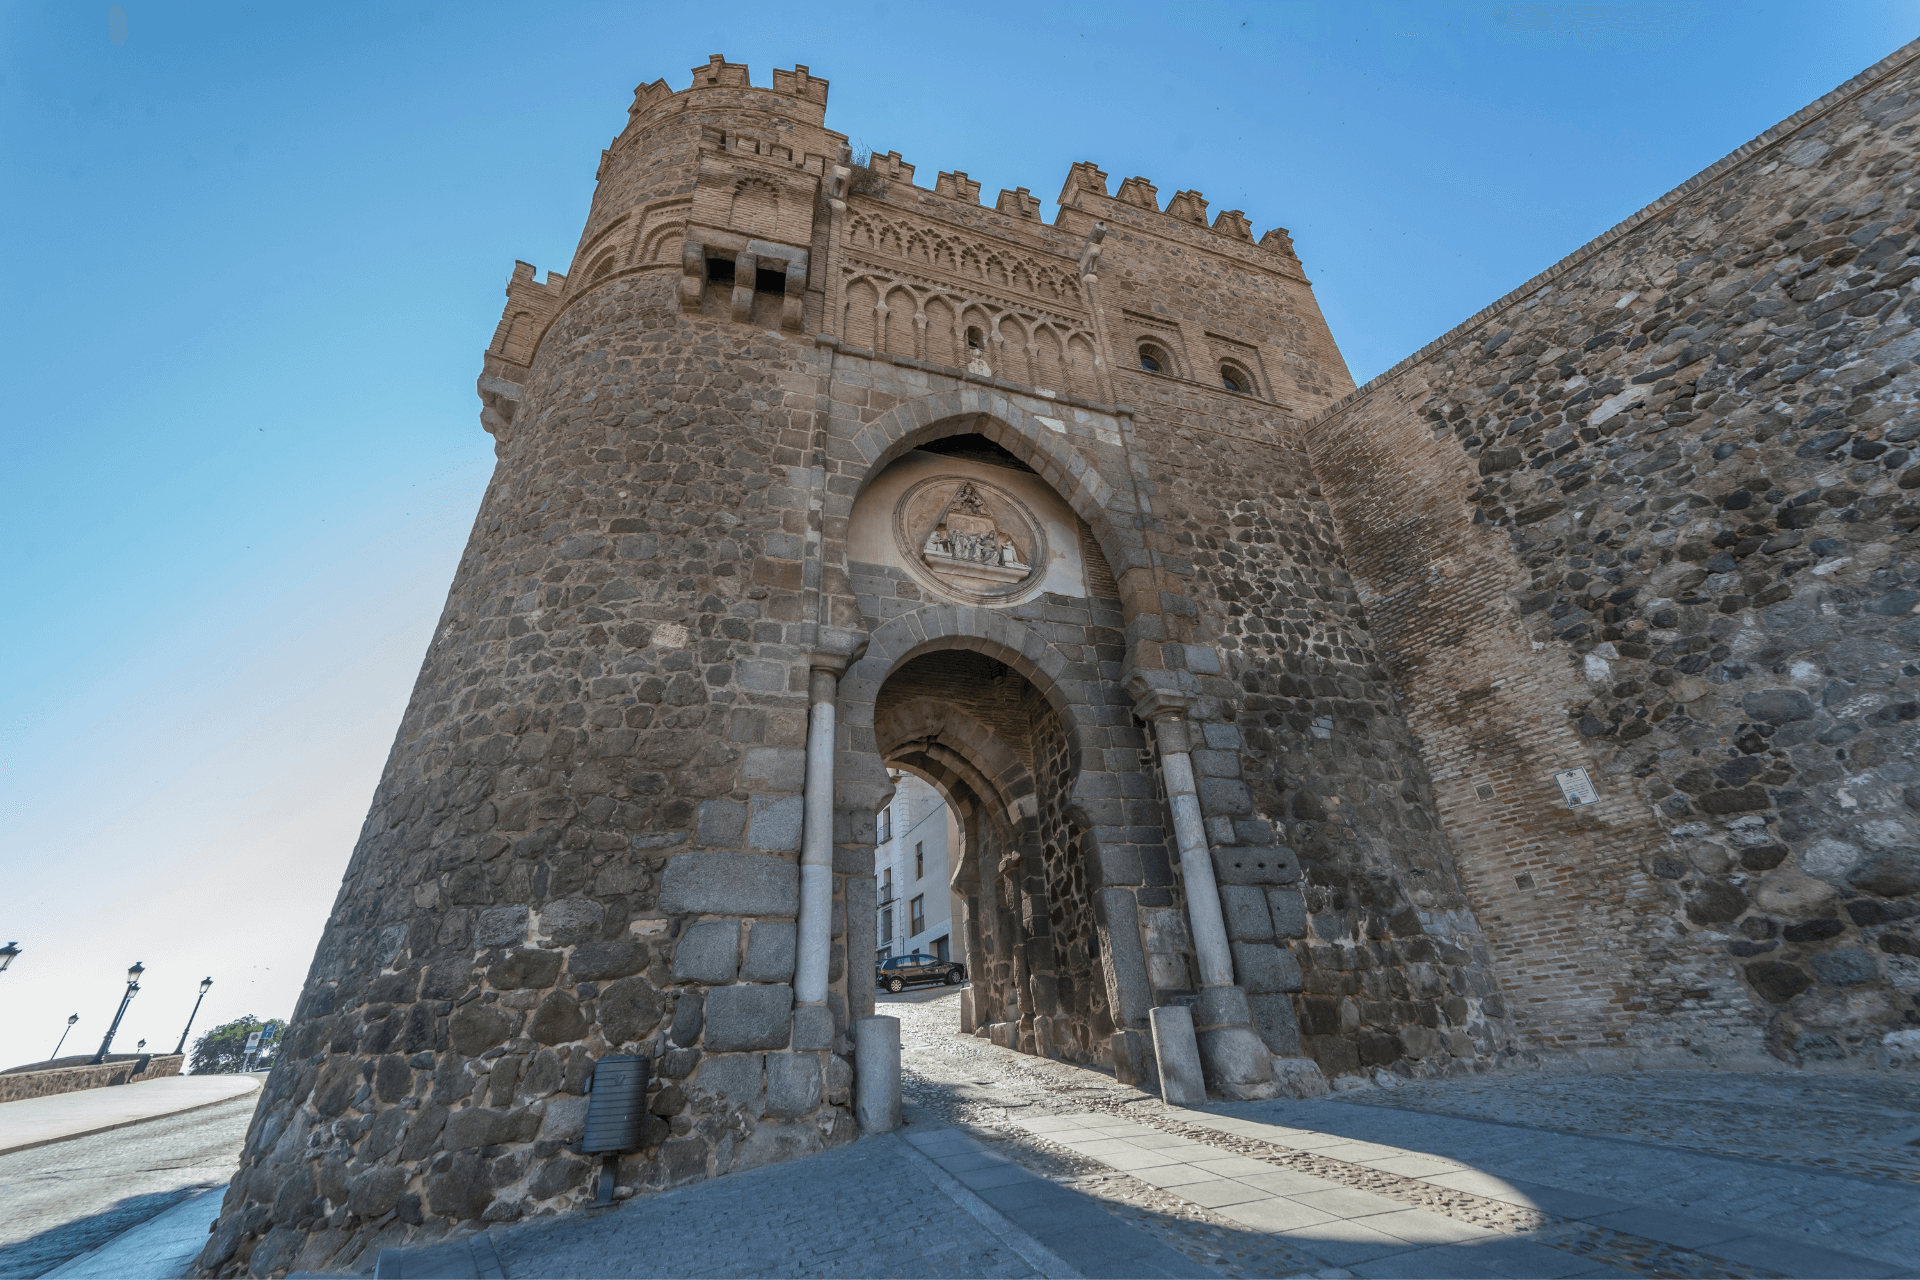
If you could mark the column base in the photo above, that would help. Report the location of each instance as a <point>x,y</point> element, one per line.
<point>1133,1062</point>
<point>1237,1062</point>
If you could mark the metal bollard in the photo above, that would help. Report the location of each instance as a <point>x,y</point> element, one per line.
<point>616,1114</point>
<point>876,1073</point>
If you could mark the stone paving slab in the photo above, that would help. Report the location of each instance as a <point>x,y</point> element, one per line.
<point>34,1122</point>
<point>1377,1234</point>
<point>1852,1215</point>
<point>867,1209</point>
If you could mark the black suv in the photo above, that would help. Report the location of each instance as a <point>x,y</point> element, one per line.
<point>898,972</point>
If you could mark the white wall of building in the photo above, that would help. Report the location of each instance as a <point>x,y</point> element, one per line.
<point>914,862</point>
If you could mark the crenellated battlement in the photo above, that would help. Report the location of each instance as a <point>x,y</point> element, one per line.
<point>1086,188</point>
<point>718,73</point>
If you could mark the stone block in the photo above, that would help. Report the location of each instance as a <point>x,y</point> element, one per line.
<point>1238,1065</point>
<point>793,1084</point>
<point>1274,1022</point>
<point>598,961</point>
<point>813,1028</point>
<point>475,1027</point>
<point>1255,864</point>
<point>628,1009</point>
<point>739,884</point>
<point>744,1017</point>
<point>771,1143</point>
<point>1223,797</point>
<point>1221,1006</point>
<point>1262,968</point>
<point>571,919</point>
<point>524,969</point>
<point>1299,1077</point>
<point>774,769</point>
<point>1288,908</point>
<point>709,952</point>
<point>1247,916</point>
<point>727,1080</point>
<point>563,1119</point>
<point>770,952</point>
<point>776,822</point>
<point>761,676</point>
<point>501,927</point>
<point>720,823</point>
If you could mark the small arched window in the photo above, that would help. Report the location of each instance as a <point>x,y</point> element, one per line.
<point>1154,360</point>
<point>976,341</point>
<point>1236,380</point>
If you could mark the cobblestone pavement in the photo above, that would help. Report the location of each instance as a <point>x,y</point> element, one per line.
<point>1854,1124</point>
<point>863,1210</point>
<point>60,1200</point>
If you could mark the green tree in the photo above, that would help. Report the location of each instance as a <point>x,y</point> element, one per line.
<point>223,1050</point>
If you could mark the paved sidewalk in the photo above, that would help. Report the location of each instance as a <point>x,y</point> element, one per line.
<point>868,1209</point>
<point>1018,1166</point>
<point>34,1122</point>
<point>158,1249</point>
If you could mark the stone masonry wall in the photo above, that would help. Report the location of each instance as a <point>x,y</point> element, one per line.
<point>1653,515</point>
<point>1355,942</point>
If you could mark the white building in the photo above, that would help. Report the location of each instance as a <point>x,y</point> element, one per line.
<point>918,908</point>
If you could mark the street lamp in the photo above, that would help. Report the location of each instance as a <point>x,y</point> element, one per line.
<point>182,1046</point>
<point>133,985</point>
<point>7,953</point>
<point>71,1019</point>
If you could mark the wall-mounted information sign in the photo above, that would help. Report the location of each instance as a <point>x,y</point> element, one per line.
<point>1577,787</point>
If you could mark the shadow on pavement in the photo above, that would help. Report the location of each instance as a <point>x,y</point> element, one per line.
<point>40,1253</point>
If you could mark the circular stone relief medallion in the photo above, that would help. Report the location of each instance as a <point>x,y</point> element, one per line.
<point>969,540</point>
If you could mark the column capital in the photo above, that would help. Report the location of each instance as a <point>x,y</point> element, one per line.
<point>1160,704</point>
<point>831,664</point>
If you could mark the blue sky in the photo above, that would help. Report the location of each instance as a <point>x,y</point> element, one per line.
<point>255,252</point>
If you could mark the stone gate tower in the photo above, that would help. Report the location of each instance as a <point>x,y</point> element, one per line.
<point>809,472</point>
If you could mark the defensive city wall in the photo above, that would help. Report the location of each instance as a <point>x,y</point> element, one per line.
<point>1653,514</point>
<point>1249,690</point>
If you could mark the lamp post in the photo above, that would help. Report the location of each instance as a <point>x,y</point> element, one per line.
<point>71,1019</point>
<point>133,985</point>
<point>7,953</point>
<point>182,1046</point>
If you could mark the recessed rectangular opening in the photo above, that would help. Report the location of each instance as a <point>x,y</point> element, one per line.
<point>765,281</point>
<point>720,270</point>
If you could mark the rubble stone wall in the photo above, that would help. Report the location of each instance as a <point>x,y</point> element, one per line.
<point>1652,515</point>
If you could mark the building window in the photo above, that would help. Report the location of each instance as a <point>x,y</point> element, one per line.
<point>720,270</point>
<point>886,885</point>
<point>886,925</point>
<point>919,859</point>
<point>941,946</point>
<point>917,914</point>
<point>883,827</point>
<point>774,282</point>
<point>1235,380</point>
<point>1154,360</point>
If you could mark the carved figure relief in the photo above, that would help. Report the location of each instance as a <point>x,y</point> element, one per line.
<point>968,539</point>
